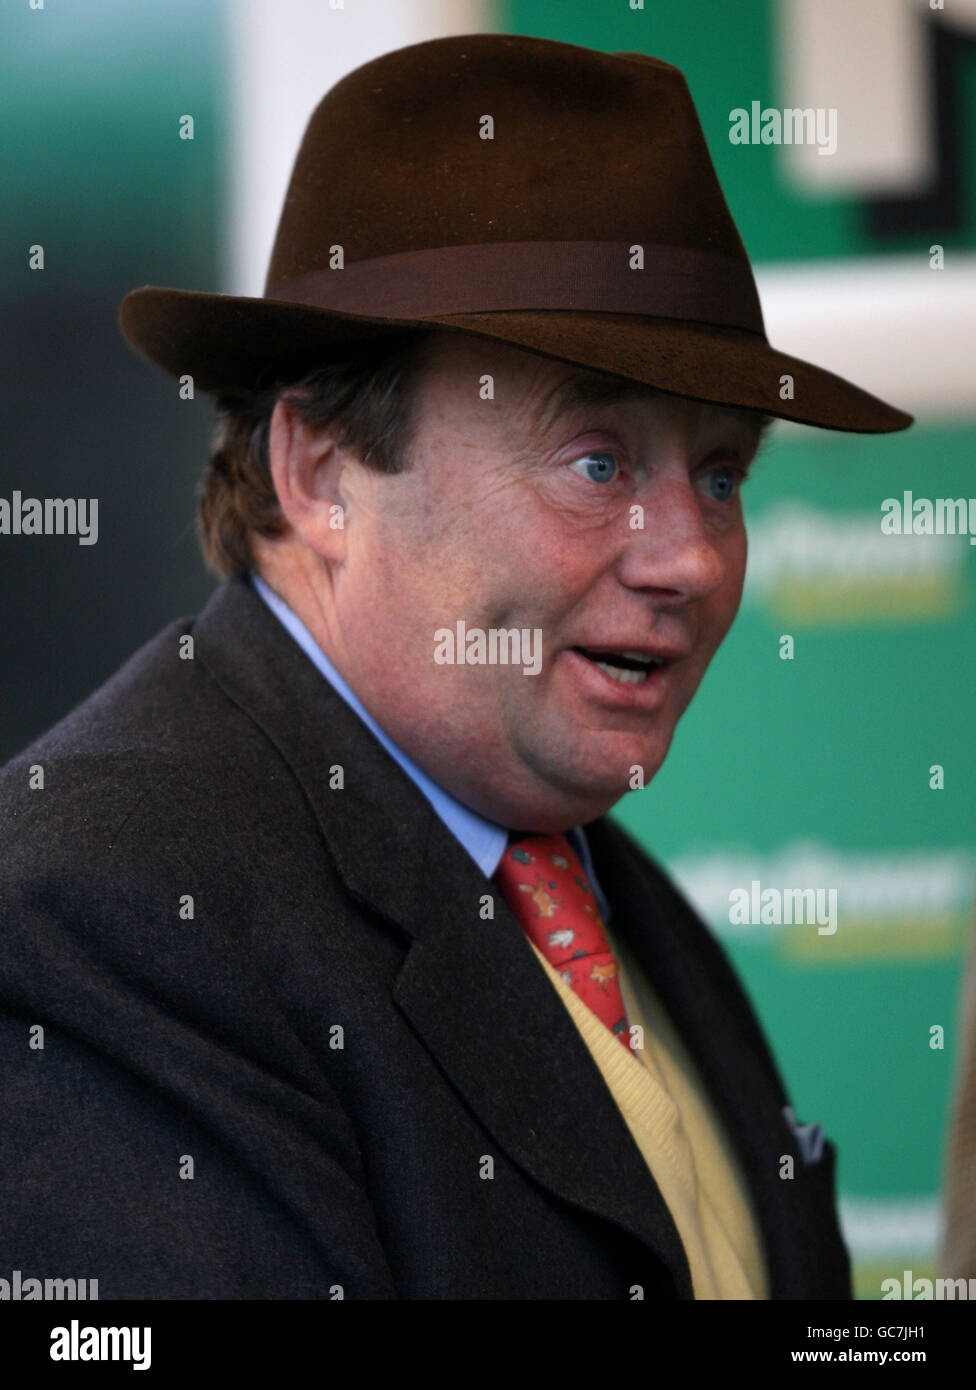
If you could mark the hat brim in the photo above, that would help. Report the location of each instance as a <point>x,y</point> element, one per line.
<point>229,343</point>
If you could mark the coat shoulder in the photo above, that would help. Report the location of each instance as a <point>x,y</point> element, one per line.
<point>159,729</point>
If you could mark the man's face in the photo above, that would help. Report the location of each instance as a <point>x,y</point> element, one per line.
<point>523,512</point>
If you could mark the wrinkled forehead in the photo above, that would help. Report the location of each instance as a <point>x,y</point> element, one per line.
<point>546,392</point>
<point>574,391</point>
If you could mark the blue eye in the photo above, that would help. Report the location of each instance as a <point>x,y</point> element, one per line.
<point>734,478</point>
<point>600,468</point>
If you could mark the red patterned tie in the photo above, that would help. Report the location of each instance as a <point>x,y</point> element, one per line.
<point>544,884</point>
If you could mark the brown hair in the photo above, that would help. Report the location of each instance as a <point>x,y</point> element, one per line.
<point>369,389</point>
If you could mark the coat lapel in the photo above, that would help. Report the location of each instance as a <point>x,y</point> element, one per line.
<point>470,986</point>
<point>804,1251</point>
<point>477,997</point>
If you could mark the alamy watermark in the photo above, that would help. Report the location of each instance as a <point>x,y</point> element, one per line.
<point>918,1290</point>
<point>50,516</point>
<point>494,646</point>
<point>20,1289</point>
<point>773,907</point>
<point>77,1343</point>
<point>794,125</point>
<point>925,516</point>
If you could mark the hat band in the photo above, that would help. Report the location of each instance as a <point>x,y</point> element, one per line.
<point>593,276</point>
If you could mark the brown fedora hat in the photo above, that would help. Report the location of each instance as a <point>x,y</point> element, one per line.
<point>552,197</point>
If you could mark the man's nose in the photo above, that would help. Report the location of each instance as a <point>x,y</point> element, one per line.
<point>677,549</point>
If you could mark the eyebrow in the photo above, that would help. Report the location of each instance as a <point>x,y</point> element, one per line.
<point>576,392</point>
<point>583,389</point>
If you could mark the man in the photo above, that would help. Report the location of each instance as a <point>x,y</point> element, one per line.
<point>325,973</point>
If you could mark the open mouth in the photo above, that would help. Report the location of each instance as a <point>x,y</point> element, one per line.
<point>627,667</point>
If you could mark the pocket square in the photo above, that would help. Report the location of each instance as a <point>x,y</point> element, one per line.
<point>809,1138</point>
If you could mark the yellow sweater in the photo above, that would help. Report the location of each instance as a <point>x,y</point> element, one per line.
<point>660,1095</point>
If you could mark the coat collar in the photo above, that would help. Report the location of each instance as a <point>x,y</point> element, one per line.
<point>470,986</point>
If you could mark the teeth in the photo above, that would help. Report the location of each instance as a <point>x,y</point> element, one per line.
<point>625,677</point>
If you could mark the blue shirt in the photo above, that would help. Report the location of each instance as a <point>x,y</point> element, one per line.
<point>483,839</point>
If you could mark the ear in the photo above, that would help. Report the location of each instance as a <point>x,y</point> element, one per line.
<point>306,469</point>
